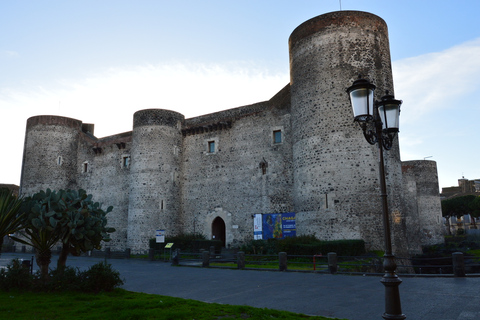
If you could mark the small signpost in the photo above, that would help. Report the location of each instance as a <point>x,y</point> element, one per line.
<point>168,246</point>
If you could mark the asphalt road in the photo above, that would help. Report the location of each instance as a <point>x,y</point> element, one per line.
<point>340,296</point>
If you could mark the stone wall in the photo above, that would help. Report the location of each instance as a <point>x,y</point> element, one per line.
<point>50,153</point>
<point>422,204</point>
<point>335,169</point>
<point>154,197</point>
<point>298,152</point>
<point>104,171</point>
<point>247,173</point>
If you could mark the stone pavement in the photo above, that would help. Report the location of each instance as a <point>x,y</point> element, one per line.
<point>340,296</point>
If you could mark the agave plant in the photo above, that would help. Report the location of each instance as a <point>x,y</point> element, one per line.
<point>11,217</point>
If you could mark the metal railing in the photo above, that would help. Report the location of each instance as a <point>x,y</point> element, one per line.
<point>455,265</point>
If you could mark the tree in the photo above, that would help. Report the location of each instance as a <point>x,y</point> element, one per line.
<point>11,217</point>
<point>41,229</point>
<point>456,207</point>
<point>475,209</point>
<point>67,217</point>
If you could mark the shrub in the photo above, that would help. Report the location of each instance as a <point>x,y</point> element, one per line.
<point>65,279</point>
<point>304,245</point>
<point>101,277</point>
<point>16,276</point>
<point>189,242</point>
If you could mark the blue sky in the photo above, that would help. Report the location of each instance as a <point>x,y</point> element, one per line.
<point>100,61</point>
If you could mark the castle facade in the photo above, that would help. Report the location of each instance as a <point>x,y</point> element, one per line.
<point>300,152</point>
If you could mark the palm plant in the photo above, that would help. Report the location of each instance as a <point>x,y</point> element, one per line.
<point>42,229</point>
<point>11,217</point>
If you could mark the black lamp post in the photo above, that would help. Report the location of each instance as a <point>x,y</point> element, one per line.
<point>379,122</point>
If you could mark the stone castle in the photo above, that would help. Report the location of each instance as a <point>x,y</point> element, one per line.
<point>300,152</point>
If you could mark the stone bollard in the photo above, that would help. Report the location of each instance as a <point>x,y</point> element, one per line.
<point>176,257</point>
<point>151,254</point>
<point>127,253</point>
<point>332,262</point>
<point>241,260</point>
<point>458,264</point>
<point>206,259</point>
<point>212,251</point>
<point>282,261</point>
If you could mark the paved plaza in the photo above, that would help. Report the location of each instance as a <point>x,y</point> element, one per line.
<point>340,296</point>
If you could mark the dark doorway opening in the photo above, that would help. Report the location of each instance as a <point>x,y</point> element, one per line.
<point>218,230</point>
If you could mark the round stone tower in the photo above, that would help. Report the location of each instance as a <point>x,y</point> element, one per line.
<point>336,180</point>
<point>154,200</point>
<point>422,203</point>
<point>50,154</point>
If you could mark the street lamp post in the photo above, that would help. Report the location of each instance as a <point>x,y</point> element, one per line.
<point>379,123</point>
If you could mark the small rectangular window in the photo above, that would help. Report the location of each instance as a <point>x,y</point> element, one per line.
<point>85,167</point>
<point>126,162</point>
<point>277,136</point>
<point>211,146</point>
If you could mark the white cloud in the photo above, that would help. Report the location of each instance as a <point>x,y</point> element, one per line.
<point>440,109</point>
<point>436,80</point>
<point>110,98</point>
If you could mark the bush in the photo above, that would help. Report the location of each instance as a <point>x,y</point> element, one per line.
<point>65,279</point>
<point>189,242</point>
<point>100,277</point>
<point>304,245</point>
<point>16,276</point>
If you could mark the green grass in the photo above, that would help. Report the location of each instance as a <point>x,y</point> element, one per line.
<point>122,305</point>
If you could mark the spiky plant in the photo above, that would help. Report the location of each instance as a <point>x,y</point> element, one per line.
<point>11,217</point>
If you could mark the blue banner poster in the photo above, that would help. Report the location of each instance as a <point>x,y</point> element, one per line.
<point>278,225</point>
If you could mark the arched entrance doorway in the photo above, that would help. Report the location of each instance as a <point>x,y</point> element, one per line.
<point>218,230</point>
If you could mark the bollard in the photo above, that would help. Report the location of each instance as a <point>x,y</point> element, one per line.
<point>26,264</point>
<point>176,257</point>
<point>458,264</point>
<point>282,261</point>
<point>241,260</point>
<point>151,254</point>
<point>206,259</point>
<point>127,253</point>
<point>212,251</point>
<point>332,262</point>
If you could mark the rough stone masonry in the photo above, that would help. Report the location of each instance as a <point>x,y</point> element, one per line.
<point>298,152</point>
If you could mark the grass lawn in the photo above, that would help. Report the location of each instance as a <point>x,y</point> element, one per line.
<point>121,304</point>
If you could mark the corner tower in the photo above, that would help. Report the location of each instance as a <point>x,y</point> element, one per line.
<point>336,186</point>
<point>50,154</point>
<point>154,200</point>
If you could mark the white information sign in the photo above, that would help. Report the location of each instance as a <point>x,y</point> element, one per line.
<point>160,236</point>
<point>257,227</point>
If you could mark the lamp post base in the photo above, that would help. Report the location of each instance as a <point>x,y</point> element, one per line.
<point>393,306</point>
